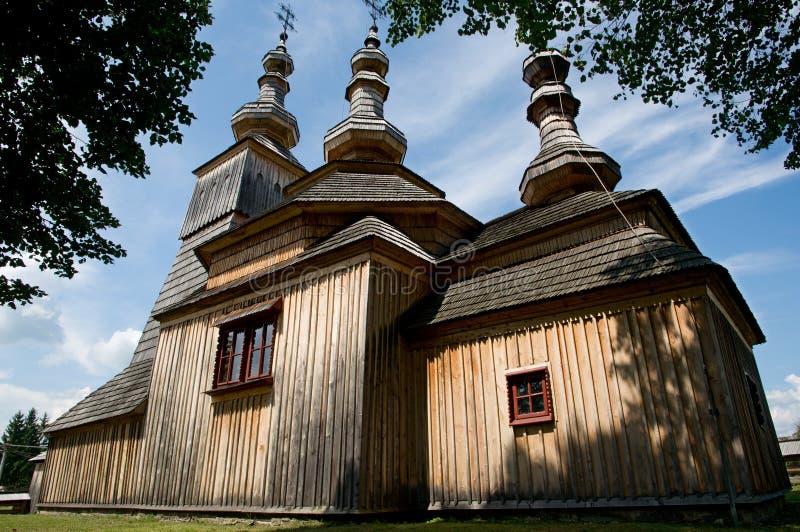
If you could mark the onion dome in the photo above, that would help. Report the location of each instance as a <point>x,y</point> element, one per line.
<point>562,167</point>
<point>267,116</point>
<point>365,134</point>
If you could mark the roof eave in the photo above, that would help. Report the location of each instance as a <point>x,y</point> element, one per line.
<point>692,277</point>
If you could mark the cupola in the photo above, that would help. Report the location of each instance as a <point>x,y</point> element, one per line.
<point>267,116</point>
<point>565,164</point>
<point>365,134</point>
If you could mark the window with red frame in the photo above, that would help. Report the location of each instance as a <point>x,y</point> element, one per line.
<point>244,353</point>
<point>529,398</point>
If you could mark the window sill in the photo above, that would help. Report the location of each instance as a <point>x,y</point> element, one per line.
<point>252,387</point>
<point>538,420</point>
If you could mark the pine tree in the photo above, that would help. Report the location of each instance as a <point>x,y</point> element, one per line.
<point>42,426</point>
<point>22,441</point>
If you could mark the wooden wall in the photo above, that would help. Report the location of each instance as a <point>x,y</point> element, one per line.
<point>760,453</point>
<point>292,445</point>
<point>290,238</point>
<point>394,433</point>
<point>260,251</point>
<point>36,484</point>
<point>631,405</point>
<point>359,420</point>
<point>96,464</point>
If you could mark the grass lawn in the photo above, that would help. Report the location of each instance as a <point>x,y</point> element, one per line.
<point>72,521</point>
<point>52,521</point>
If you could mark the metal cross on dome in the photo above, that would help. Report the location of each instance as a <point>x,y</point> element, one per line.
<point>286,16</point>
<point>377,10</point>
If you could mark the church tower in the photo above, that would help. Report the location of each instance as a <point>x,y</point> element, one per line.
<point>565,165</point>
<point>365,134</point>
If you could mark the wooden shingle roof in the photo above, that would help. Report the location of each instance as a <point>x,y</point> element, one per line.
<point>234,185</point>
<point>607,261</point>
<point>528,220</point>
<point>186,277</point>
<point>123,394</point>
<point>367,227</point>
<point>352,186</point>
<point>790,448</point>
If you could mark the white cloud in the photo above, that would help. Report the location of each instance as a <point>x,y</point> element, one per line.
<point>96,357</point>
<point>751,174</point>
<point>53,402</point>
<point>5,374</point>
<point>760,261</point>
<point>453,82</point>
<point>785,406</point>
<point>65,325</point>
<point>37,322</point>
<point>482,174</point>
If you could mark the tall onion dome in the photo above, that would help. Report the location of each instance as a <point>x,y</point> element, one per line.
<point>365,134</point>
<point>565,164</point>
<point>267,115</point>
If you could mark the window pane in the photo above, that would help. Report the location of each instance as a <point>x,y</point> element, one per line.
<point>258,336</point>
<point>270,333</point>
<point>266,358</point>
<point>228,343</point>
<point>536,386</point>
<point>522,388</point>
<point>223,369</point>
<point>524,406</point>
<point>236,366</point>
<point>255,363</point>
<point>239,343</point>
<point>538,403</point>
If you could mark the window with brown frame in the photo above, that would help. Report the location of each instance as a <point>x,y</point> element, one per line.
<point>244,352</point>
<point>529,399</point>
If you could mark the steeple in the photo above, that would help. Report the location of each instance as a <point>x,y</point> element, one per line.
<point>365,134</point>
<point>561,169</point>
<point>267,116</point>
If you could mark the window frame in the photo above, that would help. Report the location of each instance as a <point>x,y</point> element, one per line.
<point>248,325</point>
<point>540,372</point>
<point>756,402</point>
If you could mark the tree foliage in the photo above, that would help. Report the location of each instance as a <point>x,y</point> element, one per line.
<point>117,72</point>
<point>22,440</point>
<point>741,58</point>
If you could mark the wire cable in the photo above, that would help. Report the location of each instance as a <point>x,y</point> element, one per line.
<point>602,184</point>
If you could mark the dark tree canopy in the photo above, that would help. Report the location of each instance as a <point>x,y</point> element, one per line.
<point>741,58</point>
<point>22,440</point>
<point>115,70</point>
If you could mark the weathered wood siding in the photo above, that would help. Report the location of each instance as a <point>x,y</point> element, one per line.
<point>290,238</point>
<point>96,464</point>
<point>265,249</point>
<point>393,443</point>
<point>270,247</point>
<point>761,458</point>
<point>246,182</point>
<point>294,445</point>
<point>36,484</point>
<point>631,406</point>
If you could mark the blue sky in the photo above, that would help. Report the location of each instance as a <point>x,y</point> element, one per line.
<point>461,103</point>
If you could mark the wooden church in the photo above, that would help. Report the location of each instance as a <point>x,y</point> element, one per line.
<point>345,340</point>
